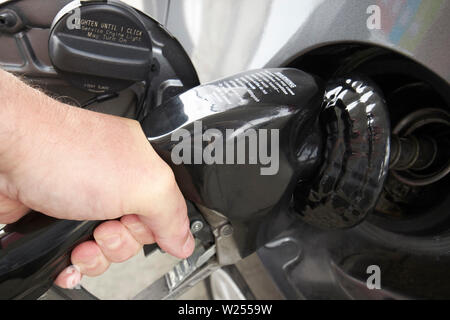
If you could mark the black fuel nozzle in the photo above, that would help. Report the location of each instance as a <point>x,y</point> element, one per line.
<point>269,140</point>
<point>240,145</point>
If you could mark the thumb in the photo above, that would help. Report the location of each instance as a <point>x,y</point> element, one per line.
<point>169,222</point>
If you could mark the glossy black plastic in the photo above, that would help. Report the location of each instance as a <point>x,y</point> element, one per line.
<point>34,250</point>
<point>357,126</point>
<point>288,101</point>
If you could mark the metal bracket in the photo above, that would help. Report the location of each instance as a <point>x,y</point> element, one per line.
<point>204,261</point>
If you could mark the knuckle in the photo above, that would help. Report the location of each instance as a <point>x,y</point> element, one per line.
<point>107,228</point>
<point>166,180</point>
<point>153,186</point>
<point>181,211</point>
<point>124,254</point>
<point>129,219</point>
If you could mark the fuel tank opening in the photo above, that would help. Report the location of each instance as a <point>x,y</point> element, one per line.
<point>421,147</point>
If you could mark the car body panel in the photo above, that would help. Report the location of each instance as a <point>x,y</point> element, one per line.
<point>225,37</point>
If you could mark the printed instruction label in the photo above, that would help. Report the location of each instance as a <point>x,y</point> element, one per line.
<point>105,31</point>
<point>254,85</point>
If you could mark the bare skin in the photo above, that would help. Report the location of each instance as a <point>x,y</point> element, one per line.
<point>77,164</point>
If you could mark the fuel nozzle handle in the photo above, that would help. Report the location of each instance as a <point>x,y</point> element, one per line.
<point>239,145</point>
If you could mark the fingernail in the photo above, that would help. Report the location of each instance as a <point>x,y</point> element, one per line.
<point>75,277</point>
<point>111,242</point>
<point>189,244</point>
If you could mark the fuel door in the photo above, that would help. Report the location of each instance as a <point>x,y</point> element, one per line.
<point>102,55</point>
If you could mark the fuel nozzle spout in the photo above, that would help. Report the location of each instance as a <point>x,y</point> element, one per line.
<point>269,140</point>
<point>356,125</point>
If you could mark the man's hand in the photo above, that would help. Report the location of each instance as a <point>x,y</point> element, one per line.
<point>76,164</point>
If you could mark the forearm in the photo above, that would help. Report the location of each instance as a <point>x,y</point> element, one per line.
<point>19,101</point>
<point>23,109</point>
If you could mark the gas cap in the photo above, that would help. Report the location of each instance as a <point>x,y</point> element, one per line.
<point>100,47</point>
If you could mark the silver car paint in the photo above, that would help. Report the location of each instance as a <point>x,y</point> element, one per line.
<point>227,36</point>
